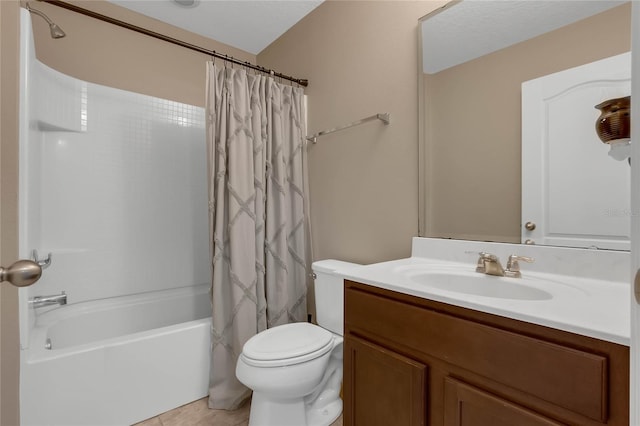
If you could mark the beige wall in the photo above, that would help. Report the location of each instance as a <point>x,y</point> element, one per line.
<point>361,59</point>
<point>9,95</point>
<point>472,126</point>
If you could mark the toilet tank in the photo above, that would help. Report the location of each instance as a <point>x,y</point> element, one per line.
<point>329,292</point>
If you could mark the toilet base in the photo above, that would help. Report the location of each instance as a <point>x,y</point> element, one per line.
<point>267,411</point>
<point>326,415</point>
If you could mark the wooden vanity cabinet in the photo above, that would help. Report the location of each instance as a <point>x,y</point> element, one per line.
<point>411,361</point>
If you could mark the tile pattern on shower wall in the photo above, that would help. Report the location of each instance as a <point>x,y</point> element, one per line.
<point>55,100</point>
<point>122,193</point>
<point>198,414</point>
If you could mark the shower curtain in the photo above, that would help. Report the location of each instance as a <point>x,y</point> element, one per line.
<point>255,144</point>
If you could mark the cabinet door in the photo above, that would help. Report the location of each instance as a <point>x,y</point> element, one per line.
<point>382,387</point>
<point>466,405</point>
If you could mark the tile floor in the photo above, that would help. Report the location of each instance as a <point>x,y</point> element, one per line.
<point>198,414</point>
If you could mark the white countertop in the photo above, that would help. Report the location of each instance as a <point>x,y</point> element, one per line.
<point>594,307</point>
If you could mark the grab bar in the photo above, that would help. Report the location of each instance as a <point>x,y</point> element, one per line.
<point>384,117</point>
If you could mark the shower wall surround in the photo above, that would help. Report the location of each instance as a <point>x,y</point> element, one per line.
<point>113,184</point>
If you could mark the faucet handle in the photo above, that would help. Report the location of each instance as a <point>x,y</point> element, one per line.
<point>488,256</point>
<point>513,267</point>
<point>483,257</point>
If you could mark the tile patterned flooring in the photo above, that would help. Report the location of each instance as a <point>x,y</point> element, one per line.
<point>198,414</point>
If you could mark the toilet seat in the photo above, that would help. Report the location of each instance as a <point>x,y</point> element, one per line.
<point>287,345</point>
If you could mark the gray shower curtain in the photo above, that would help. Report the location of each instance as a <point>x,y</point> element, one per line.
<point>255,144</point>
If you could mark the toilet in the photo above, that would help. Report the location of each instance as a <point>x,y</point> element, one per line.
<point>295,370</point>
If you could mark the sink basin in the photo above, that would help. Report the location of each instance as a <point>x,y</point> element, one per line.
<point>480,285</point>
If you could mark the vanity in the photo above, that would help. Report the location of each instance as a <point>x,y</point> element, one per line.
<point>430,341</point>
<point>508,153</point>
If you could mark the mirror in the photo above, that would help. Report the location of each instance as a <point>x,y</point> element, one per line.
<point>474,58</point>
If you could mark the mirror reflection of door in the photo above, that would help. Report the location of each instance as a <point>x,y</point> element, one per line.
<point>574,192</point>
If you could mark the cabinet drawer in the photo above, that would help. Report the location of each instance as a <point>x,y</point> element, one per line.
<point>569,378</point>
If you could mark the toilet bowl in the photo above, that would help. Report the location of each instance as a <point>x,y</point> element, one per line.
<point>295,370</point>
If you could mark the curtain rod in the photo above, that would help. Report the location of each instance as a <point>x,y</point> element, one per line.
<point>82,11</point>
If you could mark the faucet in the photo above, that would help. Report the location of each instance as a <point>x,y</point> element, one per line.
<point>57,299</point>
<point>490,264</point>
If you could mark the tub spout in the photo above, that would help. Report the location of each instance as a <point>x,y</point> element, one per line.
<point>56,299</point>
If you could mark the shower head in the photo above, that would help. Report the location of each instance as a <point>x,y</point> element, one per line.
<point>56,31</point>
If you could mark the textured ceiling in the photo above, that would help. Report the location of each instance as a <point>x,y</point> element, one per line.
<point>250,25</point>
<point>470,29</point>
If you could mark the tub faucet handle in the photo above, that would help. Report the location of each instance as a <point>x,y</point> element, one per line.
<point>43,263</point>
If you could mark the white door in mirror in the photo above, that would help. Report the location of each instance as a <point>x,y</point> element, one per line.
<point>588,204</point>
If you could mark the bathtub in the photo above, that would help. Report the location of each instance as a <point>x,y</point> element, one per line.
<point>117,361</point>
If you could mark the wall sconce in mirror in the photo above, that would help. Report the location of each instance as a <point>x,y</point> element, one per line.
<point>614,126</point>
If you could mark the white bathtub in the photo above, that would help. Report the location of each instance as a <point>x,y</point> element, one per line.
<point>117,361</point>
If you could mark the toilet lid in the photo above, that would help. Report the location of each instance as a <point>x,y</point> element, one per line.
<point>287,341</point>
